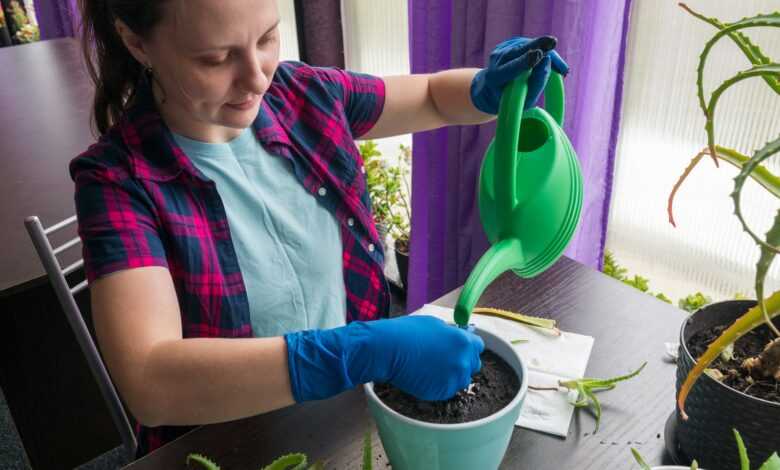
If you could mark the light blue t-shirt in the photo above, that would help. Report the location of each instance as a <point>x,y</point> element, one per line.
<point>288,245</point>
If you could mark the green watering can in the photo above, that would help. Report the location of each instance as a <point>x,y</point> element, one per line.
<point>530,191</point>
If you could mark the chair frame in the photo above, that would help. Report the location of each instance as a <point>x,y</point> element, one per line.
<point>65,295</point>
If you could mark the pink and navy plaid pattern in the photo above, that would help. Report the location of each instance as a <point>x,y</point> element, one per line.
<point>141,202</point>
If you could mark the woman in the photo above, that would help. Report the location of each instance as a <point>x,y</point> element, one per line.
<point>233,262</point>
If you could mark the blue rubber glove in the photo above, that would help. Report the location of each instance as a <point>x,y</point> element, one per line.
<point>508,60</point>
<point>419,354</point>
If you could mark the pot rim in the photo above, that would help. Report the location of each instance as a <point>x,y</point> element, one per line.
<point>707,377</point>
<point>521,393</point>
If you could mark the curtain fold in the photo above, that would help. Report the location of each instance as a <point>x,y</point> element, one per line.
<point>320,37</point>
<point>58,18</point>
<point>447,238</point>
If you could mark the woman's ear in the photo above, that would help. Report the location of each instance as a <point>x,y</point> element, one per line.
<point>132,42</point>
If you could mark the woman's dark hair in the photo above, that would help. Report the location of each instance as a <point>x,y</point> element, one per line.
<point>112,68</point>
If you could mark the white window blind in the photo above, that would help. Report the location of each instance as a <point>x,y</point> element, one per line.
<point>288,31</point>
<point>663,128</point>
<point>376,41</point>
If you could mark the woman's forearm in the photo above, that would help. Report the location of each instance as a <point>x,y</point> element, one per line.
<point>211,380</point>
<point>450,93</point>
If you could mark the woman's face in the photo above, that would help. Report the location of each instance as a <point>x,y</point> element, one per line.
<point>213,60</point>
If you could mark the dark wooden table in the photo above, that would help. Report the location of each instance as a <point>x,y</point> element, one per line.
<point>45,103</point>
<point>629,328</point>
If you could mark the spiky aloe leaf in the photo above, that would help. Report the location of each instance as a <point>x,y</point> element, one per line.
<point>751,51</point>
<point>761,175</point>
<point>755,56</point>
<point>744,324</point>
<point>288,462</point>
<point>755,71</point>
<point>744,461</point>
<point>586,388</point>
<point>762,154</point>
<point>762,267</point>
<point>207,463</point>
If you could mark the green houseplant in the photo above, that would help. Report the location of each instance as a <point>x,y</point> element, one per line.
<point>388,189</point>
<point>719,401</point>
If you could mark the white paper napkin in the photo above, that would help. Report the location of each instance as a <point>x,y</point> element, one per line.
<point>549,359</point>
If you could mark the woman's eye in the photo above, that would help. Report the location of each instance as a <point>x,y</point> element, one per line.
<point>267,39</point>
<point>214,61</point>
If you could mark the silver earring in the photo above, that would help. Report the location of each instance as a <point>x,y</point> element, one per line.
<point>149,71</point>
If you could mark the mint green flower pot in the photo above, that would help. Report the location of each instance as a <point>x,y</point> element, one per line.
<point>411,444</point>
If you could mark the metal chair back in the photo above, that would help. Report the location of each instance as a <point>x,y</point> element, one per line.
<point>65,295</point>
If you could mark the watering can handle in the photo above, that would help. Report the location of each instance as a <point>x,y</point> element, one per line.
<point>508,131</point>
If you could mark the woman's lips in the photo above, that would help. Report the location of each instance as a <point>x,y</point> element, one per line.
<point>244,105</point>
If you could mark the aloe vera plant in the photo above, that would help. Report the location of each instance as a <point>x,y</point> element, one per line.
<point>767,364</point>
<point>772,463</point>
<point>296,461</point>
<point>585,390</point>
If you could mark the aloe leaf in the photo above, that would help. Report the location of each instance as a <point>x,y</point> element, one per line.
<point>744,324</point>
<point>773,463</point>
<point>762,154</point>
<point>545,323</point>
<point>762,267</point>
<point>604,383</point>
<point>640,460</point>
<point>207,463</point>
<point>765,20</point>
<point>744,461</point>
<point>754,55</point>
<point>760,174</point>
<point>288,462</point>
<point>751,51</point>
<point>367,451</point>
<point>596,407</point>
<point>755,71</point>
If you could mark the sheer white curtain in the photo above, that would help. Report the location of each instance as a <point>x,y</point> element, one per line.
<point>663,128</point>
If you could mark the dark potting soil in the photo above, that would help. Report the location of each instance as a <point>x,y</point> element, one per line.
<point>491,389</point>
<point>737,377</point>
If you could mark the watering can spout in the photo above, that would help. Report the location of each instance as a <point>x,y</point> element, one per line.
<point>501,257</point>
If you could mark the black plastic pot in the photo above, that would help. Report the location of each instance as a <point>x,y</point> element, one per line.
<point>402,260</point>
<point>714,409</point>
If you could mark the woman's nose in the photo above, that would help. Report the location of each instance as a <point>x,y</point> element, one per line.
<point>253,79</point>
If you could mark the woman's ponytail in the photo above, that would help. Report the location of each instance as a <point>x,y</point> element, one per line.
<point>114,71</point>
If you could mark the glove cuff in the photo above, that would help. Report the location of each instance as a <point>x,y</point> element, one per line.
<point>480,94</point>
<point>316,365</point>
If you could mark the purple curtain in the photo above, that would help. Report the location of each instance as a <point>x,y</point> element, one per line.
<point>320,38</point>
<point>447,238</point>
<point>57,18</point>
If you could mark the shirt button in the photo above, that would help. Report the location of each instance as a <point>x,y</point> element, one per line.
<point>350,221</point>
<point>371,247</point>
<point>322,191</point>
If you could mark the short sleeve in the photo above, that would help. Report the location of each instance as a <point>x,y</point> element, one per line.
<point>116,222</point>
<point>363,96</point>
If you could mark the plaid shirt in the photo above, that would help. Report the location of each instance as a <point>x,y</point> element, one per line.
<point>141,202</point>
